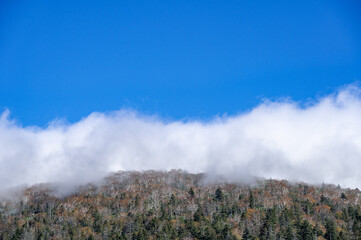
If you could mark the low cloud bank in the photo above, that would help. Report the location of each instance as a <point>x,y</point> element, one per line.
<point>319,142</point>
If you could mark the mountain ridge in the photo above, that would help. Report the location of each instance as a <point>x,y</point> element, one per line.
<point>181,205</point>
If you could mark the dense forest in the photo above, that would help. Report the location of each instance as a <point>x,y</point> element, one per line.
<point>179,205</point>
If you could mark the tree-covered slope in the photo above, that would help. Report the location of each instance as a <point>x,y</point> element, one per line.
<point>179,205</point>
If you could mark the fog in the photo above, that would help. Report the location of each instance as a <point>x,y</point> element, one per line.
<point>315,142</point>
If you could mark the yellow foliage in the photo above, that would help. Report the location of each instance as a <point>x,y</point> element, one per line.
<point>86,231</point>
<point>250,213</point>
<point>236,233</point>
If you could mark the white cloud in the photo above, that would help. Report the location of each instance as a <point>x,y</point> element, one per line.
<point>317,143</point>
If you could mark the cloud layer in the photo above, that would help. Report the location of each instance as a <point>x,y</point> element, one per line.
<point>319,142</point>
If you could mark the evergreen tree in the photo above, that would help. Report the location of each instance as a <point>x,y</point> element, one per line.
<point>306,231</point>
<point>247,235</point>
<point>251,200</point>
<point>290,234</point>
<point>191,192</point>
<point>219,195</point>
<point>198,215</point>
<point>331,233</point>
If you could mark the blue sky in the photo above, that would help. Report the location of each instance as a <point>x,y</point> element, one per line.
<point>178,59</point>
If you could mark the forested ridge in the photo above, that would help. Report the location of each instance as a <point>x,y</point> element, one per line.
<point>180,205</point>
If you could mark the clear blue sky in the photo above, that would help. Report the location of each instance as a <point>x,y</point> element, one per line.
<point>178,59</point>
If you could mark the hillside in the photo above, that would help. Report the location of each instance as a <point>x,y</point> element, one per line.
<point>179,205</point>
